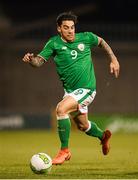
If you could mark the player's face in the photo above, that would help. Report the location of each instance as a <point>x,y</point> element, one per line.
<point>67,30</point>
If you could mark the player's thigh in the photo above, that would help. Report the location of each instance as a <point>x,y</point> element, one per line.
<point>81,120</point>
<point>67,105</point>
<point>84,97</point>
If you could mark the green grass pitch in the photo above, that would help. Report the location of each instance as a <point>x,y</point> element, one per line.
<point>87,162</point>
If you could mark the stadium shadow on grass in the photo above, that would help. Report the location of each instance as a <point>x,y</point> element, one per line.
<point>132,174</point>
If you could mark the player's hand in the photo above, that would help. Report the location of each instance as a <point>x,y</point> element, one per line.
<point>115,67</point>
<point>28,57</point>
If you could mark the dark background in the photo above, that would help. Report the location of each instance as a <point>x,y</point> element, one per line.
<point>105,11</point>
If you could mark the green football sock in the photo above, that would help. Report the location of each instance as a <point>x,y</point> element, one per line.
<point>64,126</point>
<point>94,130</point>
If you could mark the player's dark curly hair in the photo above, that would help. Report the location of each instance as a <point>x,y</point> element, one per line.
<point>66,16</point>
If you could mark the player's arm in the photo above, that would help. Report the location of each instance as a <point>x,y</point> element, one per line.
<point>35,61</point>
<point>114,65</point>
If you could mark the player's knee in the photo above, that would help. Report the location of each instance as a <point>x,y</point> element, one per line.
<point>60,111</point>
<point>82,127</point>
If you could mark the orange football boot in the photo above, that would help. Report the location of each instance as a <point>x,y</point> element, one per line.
<point>105,142</point>
<point>63,155</point>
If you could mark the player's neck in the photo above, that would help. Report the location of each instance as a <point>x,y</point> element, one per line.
<point>64,40</point>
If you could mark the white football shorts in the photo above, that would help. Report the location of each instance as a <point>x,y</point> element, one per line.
<point>84,97</point>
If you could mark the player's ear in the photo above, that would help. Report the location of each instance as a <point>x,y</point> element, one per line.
<point>58,29</point>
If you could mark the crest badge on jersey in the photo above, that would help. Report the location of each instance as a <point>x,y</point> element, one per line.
<point>81,47</point>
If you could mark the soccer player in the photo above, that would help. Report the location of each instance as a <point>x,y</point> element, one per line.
<point>72,56</point>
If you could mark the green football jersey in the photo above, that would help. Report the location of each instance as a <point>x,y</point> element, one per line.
<point>73,60</point>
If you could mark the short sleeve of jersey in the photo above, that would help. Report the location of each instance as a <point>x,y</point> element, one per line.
<point>47,51</point>
<point>93,39</point>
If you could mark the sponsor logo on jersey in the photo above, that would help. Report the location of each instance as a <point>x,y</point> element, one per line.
<point>81,47</point>
<point>64,48</point>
